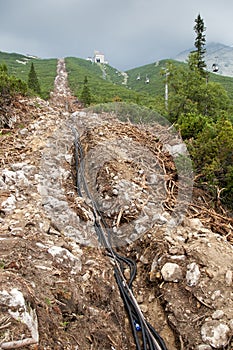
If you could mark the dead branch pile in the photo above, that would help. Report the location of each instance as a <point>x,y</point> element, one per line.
<point>126,169</point>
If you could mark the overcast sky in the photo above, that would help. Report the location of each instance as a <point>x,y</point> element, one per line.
<point>130,33</point>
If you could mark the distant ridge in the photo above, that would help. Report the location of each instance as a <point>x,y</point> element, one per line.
<point>217,53</point>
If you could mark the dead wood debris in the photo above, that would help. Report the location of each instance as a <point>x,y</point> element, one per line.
<point>219,223</point>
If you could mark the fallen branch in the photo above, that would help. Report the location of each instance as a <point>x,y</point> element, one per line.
<point>15,344</point>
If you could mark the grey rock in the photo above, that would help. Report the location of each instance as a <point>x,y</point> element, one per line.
<point>192,274</point>
<point>23,131</point>
<point>175,150</point>
<point>18,166</point>
<point>115,191</point>
<point>203,347</point>
<point>66,259</point>
<point>215,333</point>
<point>231,324</point>
<point>228,277</point>
<point>217,315</point>
<point>9,204</point>
<point>159,219</point>
<point>171,272</point>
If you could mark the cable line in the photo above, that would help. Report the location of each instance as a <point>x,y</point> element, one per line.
<point>145,336</point>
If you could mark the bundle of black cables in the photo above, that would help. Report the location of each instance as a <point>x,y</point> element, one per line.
<point>145,336</point>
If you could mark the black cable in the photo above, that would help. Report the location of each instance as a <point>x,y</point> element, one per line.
<point>76,156</point>
<point>128,308</point>
<point>157,336</point>
<point>132,265</point>
<point>150,338</point>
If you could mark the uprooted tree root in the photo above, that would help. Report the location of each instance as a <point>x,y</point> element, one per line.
<point>219,223</point>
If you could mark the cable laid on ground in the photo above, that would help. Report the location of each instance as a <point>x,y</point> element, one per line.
<point>142,331</point>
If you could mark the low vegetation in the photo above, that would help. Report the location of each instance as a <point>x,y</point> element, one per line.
<point>130,112</point>
<point>20,65</point>
<point>104,83</point>
<point>10,85</point>
<point>203,112</point>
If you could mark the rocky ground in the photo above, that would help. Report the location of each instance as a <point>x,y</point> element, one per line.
<point>57,288</point>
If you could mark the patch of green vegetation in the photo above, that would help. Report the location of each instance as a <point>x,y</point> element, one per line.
<point>21,126</point>
<point>65,324</point>
<point>113,75</point>
<point>10,85</point>
<point>156,86</point>
<point>19,66</point>
<point>226,82</point>
<point>202,111</point>
<point>129,112</point>
<point>48,301</point>
<point>137,78</point>
<point>101,87</point>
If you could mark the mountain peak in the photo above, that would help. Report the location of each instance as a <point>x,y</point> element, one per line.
<point>216,53</point>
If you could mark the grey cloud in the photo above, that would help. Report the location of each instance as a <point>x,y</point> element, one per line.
<point>130,32</point>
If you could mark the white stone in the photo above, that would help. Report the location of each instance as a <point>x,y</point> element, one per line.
<point>18,166</point>
<point>171,272</point>
<point>9,176</point>
<point>144,259</point>
<point>9,204</point>
<point>175,149</point>
<point>229,278</point>
<point>159,219</point>
<point>216,294</point>
<point>23,131</point>
<point>115,192</point>
<point>192,274</point>
<point>63,257</point>
<point>195,224</point>
<point>215,333</point>
<point>68,158</point>
<point>203,347</point>
<point>217,315</point>
<point>20,310</point>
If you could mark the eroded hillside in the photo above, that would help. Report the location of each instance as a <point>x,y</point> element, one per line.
<point>57,285</point>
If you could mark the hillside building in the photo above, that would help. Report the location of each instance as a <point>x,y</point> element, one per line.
<point>98,58</point>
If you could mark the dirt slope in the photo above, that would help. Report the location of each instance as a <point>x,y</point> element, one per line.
<point>57,289</point>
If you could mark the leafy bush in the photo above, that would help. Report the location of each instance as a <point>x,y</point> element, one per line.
<point>191,124</point>
<point>19,66</point>
<point>10,85</point>
<point>213,157</point>
<point>130,112</point>
<point>86,96</point>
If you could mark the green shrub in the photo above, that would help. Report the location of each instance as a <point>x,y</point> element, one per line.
<point>10,85</point>
<point>191,124</point>
<point>130,112</point>
<point>212,153</point>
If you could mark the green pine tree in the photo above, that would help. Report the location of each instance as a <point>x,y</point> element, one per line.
<point>86,95</point>
<point>200,44</point>
<point>33,82</point>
